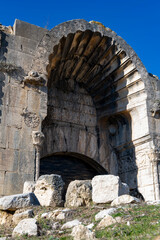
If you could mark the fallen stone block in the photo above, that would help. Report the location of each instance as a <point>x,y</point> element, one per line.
<point>79,193</point>
<point>124,199</point>
<point>26,226</point>
<point>70,224</point>
<point>14,202</point>
<point>58,214</point>
<point>105,188</point>
<point>104,213</point>
<point>17,217</point>
<point>80,232</point>
<point>49,189</point>
<point>106,221</point>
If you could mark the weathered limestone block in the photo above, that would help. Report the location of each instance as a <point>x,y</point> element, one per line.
<point>105,213</point>
<point>29,186</point>
<point>18,201</point>
<point>81,232</point>
<point>106,221</point>
<point>48,190</point>
<point>71,224</point>
<point>79,193</point>
<point>17,217</point>
<point>124,199</point>
<point>106,188</point>
<point>26,226</point>
<point>5,218</point>
<point>58,214</point>
<point>63,214</point>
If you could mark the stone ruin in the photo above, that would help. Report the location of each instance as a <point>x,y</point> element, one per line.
<point>76,101</point>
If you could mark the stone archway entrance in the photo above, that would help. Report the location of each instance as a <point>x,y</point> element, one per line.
<point>95,93</point>
<point>71,167</point>
<point>86,86</point>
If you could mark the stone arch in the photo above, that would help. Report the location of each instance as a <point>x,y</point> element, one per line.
<point>52,38</point>
<point>117,83</point>
<point>86,83</point>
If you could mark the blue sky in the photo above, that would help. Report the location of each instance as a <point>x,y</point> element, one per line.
<point>138,22</point>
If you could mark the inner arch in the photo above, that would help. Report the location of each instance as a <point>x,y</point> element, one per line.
<point>70,166</point>
<point>90,80</point>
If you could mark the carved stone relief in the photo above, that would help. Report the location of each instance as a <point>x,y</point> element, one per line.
<point>31,119</point>
<point>143,158</point>
<point>35,78</point>
<point>38,138</point>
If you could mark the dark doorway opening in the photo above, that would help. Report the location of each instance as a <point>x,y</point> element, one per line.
<point>70,168</point>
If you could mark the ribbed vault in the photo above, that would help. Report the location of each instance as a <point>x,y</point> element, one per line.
<point>97,64</point>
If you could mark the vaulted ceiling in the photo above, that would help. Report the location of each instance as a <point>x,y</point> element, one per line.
<point>97,64</point>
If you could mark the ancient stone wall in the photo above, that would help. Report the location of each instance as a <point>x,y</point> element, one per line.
<point>20,107</point>
<point>85,88</point>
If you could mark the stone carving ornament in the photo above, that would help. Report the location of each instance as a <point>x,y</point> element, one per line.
<point>144,158</point>
<point>35,78</point>
<point>155,110</point>
<point>31,119</point>
<point>38,138</point>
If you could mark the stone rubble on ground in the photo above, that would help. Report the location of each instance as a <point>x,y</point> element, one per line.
<point>56,226</point>
<point>17,217</point>
<point>63,214</point>
<point>124,199</point>
<point>5,218</point>
<point>48,190</point>
<point>14,202</point>
<point>26,226</point>
<point>106,221</point>
<point>104,213</point>
<point>70,224</point>
<point>118,219</point>
<point>90,226</point>
<point>58,214</point>
<point>105,188</point>
<point>80,232</point>
<point>79,193</point>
